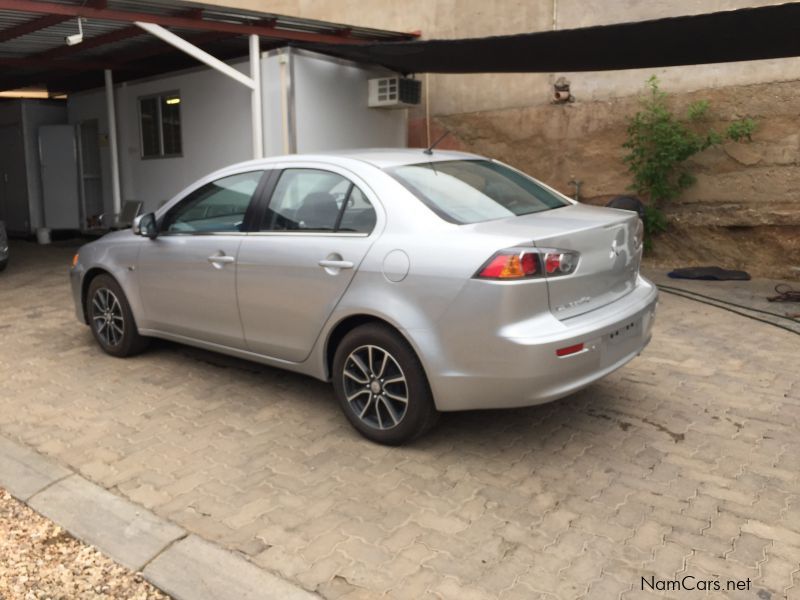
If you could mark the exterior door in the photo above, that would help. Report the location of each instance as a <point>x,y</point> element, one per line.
<point>312,237</point>
<point>59,159</point>
<point>91,179</point>
<point>187,275</point>
<point>13,180</point>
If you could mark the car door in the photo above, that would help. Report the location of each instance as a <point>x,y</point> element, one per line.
<point>311,238</point>
<point>187,275</point>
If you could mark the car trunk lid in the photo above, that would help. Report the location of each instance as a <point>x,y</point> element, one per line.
<point>609,260</point>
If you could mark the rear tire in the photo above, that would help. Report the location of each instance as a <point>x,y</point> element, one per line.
<point>381,386</point>
<point>111,320</point>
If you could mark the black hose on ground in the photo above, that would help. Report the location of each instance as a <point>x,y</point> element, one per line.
<point>668,288</point>
<point>786,293</point>
<point>677,292</point>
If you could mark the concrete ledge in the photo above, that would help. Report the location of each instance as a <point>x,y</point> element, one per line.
<point>187,568</point>
<point>194,569</point>
<point>24,472</point>
<point>126,532</point>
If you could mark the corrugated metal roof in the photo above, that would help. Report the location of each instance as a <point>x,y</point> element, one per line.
<point>40,56</point>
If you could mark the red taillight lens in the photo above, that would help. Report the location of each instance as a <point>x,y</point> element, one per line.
<point>552,262</point>
<point>530,263</point>
<point>511,264</point>
<point>559,262</point>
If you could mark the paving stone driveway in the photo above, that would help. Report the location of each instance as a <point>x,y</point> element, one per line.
<point>686,462</point>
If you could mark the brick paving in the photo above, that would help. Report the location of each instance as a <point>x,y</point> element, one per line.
<point>685,462</point>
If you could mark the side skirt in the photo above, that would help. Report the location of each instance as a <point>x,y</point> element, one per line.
<point>305,368</point>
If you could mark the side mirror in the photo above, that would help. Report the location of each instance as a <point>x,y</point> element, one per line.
<point>145,225</point>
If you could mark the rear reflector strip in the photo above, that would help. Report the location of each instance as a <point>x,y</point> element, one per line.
<point>569,350</point>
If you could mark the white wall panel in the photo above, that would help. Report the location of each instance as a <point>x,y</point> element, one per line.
<point>328,99</point>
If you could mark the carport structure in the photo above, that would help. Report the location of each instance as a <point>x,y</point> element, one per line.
<point>125,40</point>
<point>33,49</point>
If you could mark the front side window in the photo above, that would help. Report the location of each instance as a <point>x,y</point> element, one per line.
<point>160,125</point>
<point>216,207</point>
<point>471,191</point>
<point>316,200</point>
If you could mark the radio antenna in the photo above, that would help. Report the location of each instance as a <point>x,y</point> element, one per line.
<point>429,149</point>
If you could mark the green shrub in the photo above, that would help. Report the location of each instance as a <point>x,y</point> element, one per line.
<point>659,144</point>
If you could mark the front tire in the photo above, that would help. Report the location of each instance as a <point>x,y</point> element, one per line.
<point>381,386</point>
<point>111,319</point>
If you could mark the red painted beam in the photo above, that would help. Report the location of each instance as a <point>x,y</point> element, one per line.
<point>118,61</point>
<point>193,13</point>
<point>31,26</point>
<point>93,42</point>
<point>183,22</point>
<point>107,38</point>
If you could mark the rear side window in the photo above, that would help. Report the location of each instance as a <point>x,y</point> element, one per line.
<point>316,200</point>
<point>358,216</point>
<point>471,191</point>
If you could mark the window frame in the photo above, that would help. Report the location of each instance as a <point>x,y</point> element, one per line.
<point>248,221</point>
<point>160,97</point>
<point>355,182</point>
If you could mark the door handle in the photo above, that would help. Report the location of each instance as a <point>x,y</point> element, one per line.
<point>221,259</point>
<point>336,264</point>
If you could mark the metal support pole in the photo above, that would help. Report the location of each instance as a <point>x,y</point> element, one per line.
<point>255,98</point>
<point>194,51</point>
<point>283,62</point>
<point>112,143</point>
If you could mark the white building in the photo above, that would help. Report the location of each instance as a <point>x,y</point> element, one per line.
<point>161,92</point>
<point>175,128</point>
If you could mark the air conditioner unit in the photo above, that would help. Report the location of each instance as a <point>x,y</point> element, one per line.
<point>394,92</point>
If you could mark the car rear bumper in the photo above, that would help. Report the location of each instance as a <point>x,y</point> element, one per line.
<point>525,370</point>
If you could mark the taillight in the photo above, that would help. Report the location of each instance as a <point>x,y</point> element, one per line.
<point>559,262</point>
<point>516,263</point>
<point>511,264</point>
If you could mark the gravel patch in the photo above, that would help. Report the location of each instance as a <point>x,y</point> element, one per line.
<point>39,560</point>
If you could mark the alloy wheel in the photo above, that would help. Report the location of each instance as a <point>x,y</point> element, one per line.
<point>375,387</point>
<point>107,318</point>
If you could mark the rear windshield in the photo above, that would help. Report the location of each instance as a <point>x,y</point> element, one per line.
<point>471,191</point>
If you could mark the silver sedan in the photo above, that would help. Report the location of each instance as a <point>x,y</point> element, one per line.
<point>417,283</point>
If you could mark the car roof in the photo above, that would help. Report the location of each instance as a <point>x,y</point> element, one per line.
<point>379,157</point>
<point>394,157</point>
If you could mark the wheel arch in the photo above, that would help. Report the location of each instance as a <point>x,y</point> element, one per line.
<point>350,322</point>
<point>88,277</point>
